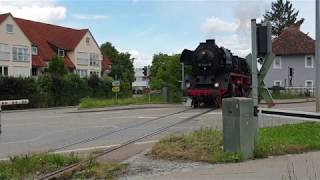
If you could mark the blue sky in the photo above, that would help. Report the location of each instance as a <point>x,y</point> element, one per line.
<point>146,27</point>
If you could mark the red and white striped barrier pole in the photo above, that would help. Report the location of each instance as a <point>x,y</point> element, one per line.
<point>10,103</point>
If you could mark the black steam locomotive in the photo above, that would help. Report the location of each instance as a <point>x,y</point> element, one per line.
<point>216,74</point>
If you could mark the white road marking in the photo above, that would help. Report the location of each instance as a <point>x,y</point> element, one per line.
<point>147,117</point>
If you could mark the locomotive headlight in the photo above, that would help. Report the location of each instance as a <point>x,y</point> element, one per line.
<point>188,85</point>
<point>216,85</point>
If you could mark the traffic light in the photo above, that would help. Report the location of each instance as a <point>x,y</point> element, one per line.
<point>291,72</point>
<point>145,71</point>
<point>264,42</point>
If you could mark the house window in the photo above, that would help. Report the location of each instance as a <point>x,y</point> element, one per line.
<point>277,83</point>
<point>94,59</point>
<point>61,53</point>
<point>34,71</point>
<point>82,72</point>
<point>3,70</point>
<point>94,73</point>
<point>9,28</point>
<point>4,52</point>
<point>309,62</point>
<point>20,53</point>
<point>308,83</point>
<point>277,63</point>
<point>34,50</point>
<point>88,40</point>
<point>82,58</point>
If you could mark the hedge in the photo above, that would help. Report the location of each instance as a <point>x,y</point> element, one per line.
<point>51,91</point>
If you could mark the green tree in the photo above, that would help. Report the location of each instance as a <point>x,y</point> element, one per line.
<point>122,67</point>
<point>282,15</point>
<point>57,67</point>
<point>55,72</point>
<point>166,72</point>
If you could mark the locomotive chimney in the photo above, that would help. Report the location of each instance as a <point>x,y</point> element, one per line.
<point>210,41</point>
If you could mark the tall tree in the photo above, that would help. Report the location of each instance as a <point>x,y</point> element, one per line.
<point>122,67</point>
<point>282,15</point>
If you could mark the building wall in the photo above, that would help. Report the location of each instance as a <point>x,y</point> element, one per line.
<point>92,47</point>
<point>140,83</point>
<point>17,38</point>
<point>301,73</point>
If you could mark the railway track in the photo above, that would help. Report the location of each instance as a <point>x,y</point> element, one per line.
<point>76,166</point>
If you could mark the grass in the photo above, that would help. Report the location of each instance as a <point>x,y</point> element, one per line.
<point>206,144</point>
<point>288,139</point>
<point>202,145</point>
<point>99,103</point>
<point>32,165</point>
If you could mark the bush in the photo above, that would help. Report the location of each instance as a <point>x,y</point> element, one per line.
<point>19,88</point>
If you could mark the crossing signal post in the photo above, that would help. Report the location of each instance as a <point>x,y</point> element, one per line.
<point>262,49</point>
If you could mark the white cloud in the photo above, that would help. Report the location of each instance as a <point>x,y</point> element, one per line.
<point>90,16</point>
<point>239,45</point>
<point>140,59</point>
<point>214,24</point>
<point>40,10</point>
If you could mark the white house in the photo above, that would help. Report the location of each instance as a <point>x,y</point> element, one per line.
<point>27,46</point>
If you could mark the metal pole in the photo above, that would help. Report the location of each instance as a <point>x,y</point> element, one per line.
<point>182,77</point>
<point>254,73</point>
<point>317,58</point>
<point>0,120</point>
<point>254,62</point>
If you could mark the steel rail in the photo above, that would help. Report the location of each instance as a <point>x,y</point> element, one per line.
<point>78,165</point>
<point>113,132</point>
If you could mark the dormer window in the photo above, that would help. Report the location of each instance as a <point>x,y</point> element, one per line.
<point>88,40</point>
<point>9,28</point>
<point>61,53</point>
<point>34,50</point>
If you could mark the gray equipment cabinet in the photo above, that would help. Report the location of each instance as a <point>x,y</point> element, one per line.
<point>239,126</point>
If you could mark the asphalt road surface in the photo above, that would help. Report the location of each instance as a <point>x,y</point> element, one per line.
<point>43,130</point>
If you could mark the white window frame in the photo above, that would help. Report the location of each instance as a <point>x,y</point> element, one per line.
<point>2,70</point>
<point>7,25</point>
<point>82,73</point>
<point>277,81</point>
<point>20,54</point>
<point>34,50</point>
<point>94,60</point>
<point>61,53</point>
<point>306,83</point>
<point>280,63</point>
<point>306,60</point>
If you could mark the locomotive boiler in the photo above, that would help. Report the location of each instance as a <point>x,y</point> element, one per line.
<point>216,74</point>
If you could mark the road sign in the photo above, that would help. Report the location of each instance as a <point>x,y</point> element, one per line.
<point>116,83</point>
<point>115,89</point>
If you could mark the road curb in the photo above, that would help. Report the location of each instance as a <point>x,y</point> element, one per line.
<point>38,109</point>
<point>120,108</point>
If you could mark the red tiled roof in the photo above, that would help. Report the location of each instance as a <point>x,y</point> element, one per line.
<point>3,17</point>
<point>293,42</point>
<point>105,63</point>
<point>48,38</point>
<point>69,63</point>
<point>38,61</point>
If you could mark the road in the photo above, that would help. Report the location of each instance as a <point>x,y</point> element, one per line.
<point>43,130</point>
